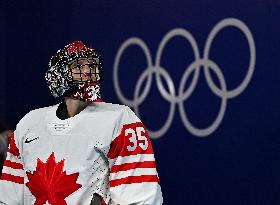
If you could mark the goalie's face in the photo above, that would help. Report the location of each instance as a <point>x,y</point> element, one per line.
<point>84,69</point>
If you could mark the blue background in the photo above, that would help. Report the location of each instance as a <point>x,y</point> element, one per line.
<point>239,163</point>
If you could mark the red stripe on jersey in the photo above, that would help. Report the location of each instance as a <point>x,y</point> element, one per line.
<point>13,149</point>
<point>12,178</point>
<point>134,179</point>
<point>128,142</point>
<point>102,201</point>
<point>133,165</point>
<point>14,165</point>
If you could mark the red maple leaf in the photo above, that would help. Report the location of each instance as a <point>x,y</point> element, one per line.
<point>50,183</point>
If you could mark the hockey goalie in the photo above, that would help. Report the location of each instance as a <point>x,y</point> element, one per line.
<point>83,150</point>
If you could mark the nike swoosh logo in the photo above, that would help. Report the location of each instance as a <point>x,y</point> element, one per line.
<point>28,141</point>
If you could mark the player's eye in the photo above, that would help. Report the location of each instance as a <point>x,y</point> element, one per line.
<point>91,65</point>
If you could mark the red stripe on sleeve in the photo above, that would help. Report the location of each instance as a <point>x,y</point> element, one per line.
<point>13,149</point>
<point>133,165</point>
<point>134,179</point>
<point>14,165</point>
<point>12,178</point>
<point>102,201</point>
<point>119,146</point>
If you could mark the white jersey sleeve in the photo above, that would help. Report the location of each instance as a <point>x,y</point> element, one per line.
<point>133,175</point>
<point>12,179</point>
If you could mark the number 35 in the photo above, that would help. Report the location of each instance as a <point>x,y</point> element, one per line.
<point>136,137</point>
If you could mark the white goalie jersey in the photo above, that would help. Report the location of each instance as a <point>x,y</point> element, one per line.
<point>104,150</point>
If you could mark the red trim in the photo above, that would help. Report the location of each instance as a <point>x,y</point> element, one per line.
<point>12,178</point>
<point>102,201</point>
<point>14,165</point>
<point>76,47</point>
<point>98,100</point>
<point>13,149</point>
<point>134,179</point>
<point>133,165</point>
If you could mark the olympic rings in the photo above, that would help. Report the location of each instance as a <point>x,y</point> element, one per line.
<point>170,94</point>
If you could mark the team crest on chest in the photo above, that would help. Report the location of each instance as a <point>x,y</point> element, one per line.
<point>49,183</point>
